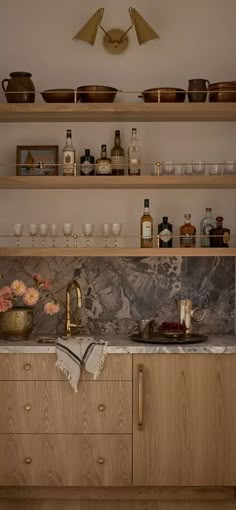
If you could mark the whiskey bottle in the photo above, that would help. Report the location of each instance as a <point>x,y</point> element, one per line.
<point>87,163</point>
<point>117,156</point>
<point>134,154</point>
<point>219,236</point>
<point>103,164</point>
<point>207,223</point>
<point>165,233</point>
<point>146,225</point>
<point>69,163</point>
<point>187,233</point>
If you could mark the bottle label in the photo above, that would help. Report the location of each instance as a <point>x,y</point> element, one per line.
<point>165,235</point>
<point>86,168</point>
<point>68,162</point>
<point>187,239</point>
<point>147,230</point>
<point>117,162</point>
<point>104,168</point>
<point>206,229</point>
<point>226,237</point>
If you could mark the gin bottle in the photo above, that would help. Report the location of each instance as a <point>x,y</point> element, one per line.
<point>219,236</point>
<point>207,223</point>
<point>87,163</point>
<point>134,154</point>
<point>165,233</point>
<point>69,163</point>
<point>187,233</point>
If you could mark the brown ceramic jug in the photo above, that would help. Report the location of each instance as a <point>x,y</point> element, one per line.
<point>198,87</point>
<point>19,88</point>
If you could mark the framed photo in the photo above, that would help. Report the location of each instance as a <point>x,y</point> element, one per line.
<point>37,160</point>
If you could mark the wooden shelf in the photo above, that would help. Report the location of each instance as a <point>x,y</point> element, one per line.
<point>116,112</point>
<point>117,252</point>
<point>118,182</point>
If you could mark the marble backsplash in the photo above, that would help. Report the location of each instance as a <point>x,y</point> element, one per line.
<point>118,291</point>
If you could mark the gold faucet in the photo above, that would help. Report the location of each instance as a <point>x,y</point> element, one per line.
<point>70,325</point>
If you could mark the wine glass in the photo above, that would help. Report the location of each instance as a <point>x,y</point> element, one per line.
<point>67,231</point>
<point>18,231</point>
<point>106,231</point>
<point>33,230</point>
<point>116,230</point>
<point>43,230</point>
<point>53,232</point>
<point>88,229</point>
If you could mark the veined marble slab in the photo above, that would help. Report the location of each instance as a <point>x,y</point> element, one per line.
<point>121,345</point>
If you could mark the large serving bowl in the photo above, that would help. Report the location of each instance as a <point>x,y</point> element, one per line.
<point>223,92</point>
<point>59,96</point>
<point>164,95</point>
<point>97,94</point>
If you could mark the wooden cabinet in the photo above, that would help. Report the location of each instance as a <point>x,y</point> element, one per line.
<point>184,424</point>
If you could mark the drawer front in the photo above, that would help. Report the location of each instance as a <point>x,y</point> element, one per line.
<point>53,406</point>
<point>41,367</point>
<point>69,460</point>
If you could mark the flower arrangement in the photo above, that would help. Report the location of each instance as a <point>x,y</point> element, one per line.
<point>19,294</point>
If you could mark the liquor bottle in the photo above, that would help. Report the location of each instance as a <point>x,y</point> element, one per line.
<point>187,233</point>
<point>103,163</point>
<point>69,163</point>
<point>117,156</point>
<point>87,163</point>
<point>134,154</point>
<point>206,224</point>
<point>146,225</point>
<point>219,236</point>
<point>165,233</point>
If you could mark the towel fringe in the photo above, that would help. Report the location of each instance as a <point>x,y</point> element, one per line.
<point>59,364</point>
<point>102,361</point>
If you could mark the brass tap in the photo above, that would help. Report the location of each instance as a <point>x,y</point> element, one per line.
<point>71,325</point>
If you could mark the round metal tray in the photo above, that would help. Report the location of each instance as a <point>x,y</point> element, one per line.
<point>158,339</point>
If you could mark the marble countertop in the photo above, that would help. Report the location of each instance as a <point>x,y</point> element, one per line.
<point>124,345</point>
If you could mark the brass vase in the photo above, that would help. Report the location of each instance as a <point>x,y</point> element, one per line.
<point>17,321</point>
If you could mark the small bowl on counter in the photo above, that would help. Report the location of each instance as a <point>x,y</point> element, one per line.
<point>60,96</point>
<point>164,95</point>
<point>97,94</point>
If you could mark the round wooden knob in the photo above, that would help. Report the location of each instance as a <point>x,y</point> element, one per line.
<point>27,366</point>
<point>101,460</point>
<point>28,460</point>
<point>101,407</point>
<point>28,407</point>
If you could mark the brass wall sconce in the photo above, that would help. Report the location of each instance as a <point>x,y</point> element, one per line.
<point>115,40</point>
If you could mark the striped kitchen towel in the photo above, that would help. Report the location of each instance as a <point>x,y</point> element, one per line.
<point>80,351</point>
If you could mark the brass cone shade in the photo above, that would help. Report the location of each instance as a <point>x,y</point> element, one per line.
<point>89,31</point>
<point>143,30</point>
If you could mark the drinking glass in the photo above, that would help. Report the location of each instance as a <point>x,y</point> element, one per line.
<point>116,230</point>
<point>215,169</point>
<point>167,168</point>
<point>43,230</point>
<point>53,232</point>
<point>88,229</point>
<point>33,230</point>
<point>229,167</point>
<point>18,231</point>
<point>179,169</point>
<point>106,231</point>
<point>198,167</point>
<point>67,231</point>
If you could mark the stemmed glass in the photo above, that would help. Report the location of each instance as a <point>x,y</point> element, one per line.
<point>18,231</point>
<point>43,230</point>
<point>33,230</point>
<point>67,231</point>
<point>53,232</point>
<point>106,231</point>
<point>88,229</point>
<point>116,230</point>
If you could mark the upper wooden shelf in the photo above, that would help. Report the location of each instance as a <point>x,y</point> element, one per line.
<point>117,182</point>
<point>116,112</point>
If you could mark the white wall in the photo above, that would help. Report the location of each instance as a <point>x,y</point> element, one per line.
<point>197,40</point>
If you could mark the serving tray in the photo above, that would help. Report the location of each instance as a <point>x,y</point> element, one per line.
<point>159,339</point>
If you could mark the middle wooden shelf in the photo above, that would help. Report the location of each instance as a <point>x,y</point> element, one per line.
<point>116,252</point>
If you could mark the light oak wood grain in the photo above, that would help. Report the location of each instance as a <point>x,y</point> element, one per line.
<point>117,252</point>
<point>53,407</point>
<point>40,367</point>
<point>189,431</point>
<point>113,505</point>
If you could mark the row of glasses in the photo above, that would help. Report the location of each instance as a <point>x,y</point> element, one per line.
<point>198,167</point>
<point>108,229</point>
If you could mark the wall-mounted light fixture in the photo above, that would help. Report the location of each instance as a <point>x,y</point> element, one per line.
<point>115,40</point>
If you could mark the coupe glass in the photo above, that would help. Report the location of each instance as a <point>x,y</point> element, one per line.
<point>43,231</point>
<point>116,230</point>
<point>106,232</point>
<point>88,229</point>
<point>67,231</point>
<point>18,231</point>
<point>53,232</point>
<point>198,167</point>
<point>33,230</point>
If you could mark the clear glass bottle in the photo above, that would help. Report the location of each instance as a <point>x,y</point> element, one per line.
<point>87,163</point>
<point>165,233</point>
<point>69,157</point>
<point>103,164</point>
<point>134,154</point>
<point>206,224</point>
<point>187,233</point>
<point>117,156</point>
<point>219,236</point>
<point>146,226</point>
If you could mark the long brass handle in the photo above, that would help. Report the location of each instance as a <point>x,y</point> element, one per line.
<point>140,396</point>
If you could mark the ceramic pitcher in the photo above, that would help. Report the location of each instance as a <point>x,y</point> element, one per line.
<point>19,88</point>
<point>197,90</point>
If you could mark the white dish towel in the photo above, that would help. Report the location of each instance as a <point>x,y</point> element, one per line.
<point>73,353</point>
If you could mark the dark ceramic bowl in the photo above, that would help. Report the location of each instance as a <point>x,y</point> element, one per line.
<point>97,94</point>
<point>164,95</point>
<point>224,92</point>
<point>60,96</point>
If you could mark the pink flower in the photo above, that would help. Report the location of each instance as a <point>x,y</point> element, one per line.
<point>31,296</point>
<point>47,284</point>
<point>51,308</point>
<point>5,304</point>
<point>18,288</point>
<point>6,292</point>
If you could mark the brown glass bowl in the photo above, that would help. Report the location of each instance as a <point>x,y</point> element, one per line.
<point>224,92</point>
<point>172,333</point>
<point>60,96</point>
<point>164,95</point>
<point>97,94</point>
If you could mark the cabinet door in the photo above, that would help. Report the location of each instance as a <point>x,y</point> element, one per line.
<point>185,424</point>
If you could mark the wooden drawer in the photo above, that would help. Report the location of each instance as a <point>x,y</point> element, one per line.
<point>41,367</point>
<point>69,460</point>
<point>52,406</point>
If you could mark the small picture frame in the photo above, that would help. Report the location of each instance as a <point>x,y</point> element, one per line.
<point>37,160</point>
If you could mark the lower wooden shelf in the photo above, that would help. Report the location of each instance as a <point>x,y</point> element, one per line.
<point>117,252</point>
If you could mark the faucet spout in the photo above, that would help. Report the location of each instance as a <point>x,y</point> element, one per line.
<point>69,324</point>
